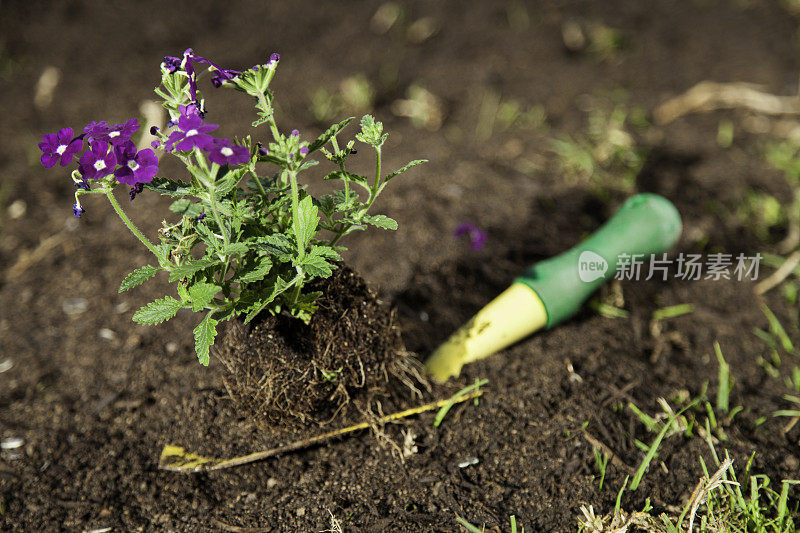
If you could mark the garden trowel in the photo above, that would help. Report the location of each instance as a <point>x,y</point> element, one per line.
<point>553,290</point>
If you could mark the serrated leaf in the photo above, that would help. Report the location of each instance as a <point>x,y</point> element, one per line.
<point>404,168</point>
<point>204,335</point>
<point>137,277</point>
<point>183,293</point>
<point>305,223</point>
<point>170,187</point>
<point>355,178</point>
<point>235,248</point>
<point>157,311</point>
<point>259,121</point>
<point>201,294</point>
<point>371,131</point>
<point>279,246</point>
<point>381,221</point>
<point>258,273</point>
<point>305,306</point>
<point>186,207</point>
<point>315,266</point>
<point>190,267</point>
<point>329,133</point>
<point>278,288</point>
<point>307,164</point>
<point>327,252</point>
<point>230,180</point>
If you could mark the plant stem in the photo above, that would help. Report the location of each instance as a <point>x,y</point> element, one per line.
<point>131,226</point>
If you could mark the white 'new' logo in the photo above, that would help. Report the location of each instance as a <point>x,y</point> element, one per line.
<point>591,266</point>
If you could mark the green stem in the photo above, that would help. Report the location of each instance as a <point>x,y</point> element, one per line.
<point>131,226</point>
<point>268,109</point>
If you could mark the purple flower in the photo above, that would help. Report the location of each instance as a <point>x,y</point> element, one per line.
<point>192,133</point>
<point>117,134</point>
<point>189,110</point>
<point>275,57</point>
<point>222,152</point>
<point>59,147</point>
<point>136,189</point>
<point>156,144</point>
<point>200,218</point>
<point>262,151</point>
<point>97,162</point>
<point>121,133</point>
<point>171,63</point>
<point>303,151</point>
<point>295,133</point>
<point>96,130</point>
<point>477,237</point>
<point>135,168</point>
<point>77,210</point>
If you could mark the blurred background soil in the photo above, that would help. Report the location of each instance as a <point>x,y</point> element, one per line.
<point>484,90</point>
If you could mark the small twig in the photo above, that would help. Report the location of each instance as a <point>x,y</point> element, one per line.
<point>236,529</point>
<point>28,258</point>
<point>177,459</point>
<point>615,460</point>
<point>779,275</point>
<point>708,96</point>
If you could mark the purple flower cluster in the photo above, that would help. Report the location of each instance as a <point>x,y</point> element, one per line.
<point>110,151</point>
<point>477,236</point>
<point>187,62</point>
<point>192,133</point>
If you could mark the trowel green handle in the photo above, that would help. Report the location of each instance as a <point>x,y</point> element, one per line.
<point>645,224</point>
<point>553,290</point>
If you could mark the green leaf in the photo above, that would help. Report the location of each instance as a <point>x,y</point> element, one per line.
<point>201,294</point>
<point>305,306</point>
<point>381,221</point>
<point>185,207</point>
<point>278,288</point>
<point>307,164</point>
<point>371,131</point>
<point>258,273</point>
<point>305,223</point>
<point>158,311</point>
<point>170,187</point>
<point>355,178</point>
<point>279,246</point>
<point>230,180</point>
<point>183,293</point>
<point>204,335</point>
<point>329,133</point>
<point>137,277</point>
<point>190,267</point>
<point>314,266</point>
<point>404,168</point>
<point>327,252</point>
<point>235,248</point>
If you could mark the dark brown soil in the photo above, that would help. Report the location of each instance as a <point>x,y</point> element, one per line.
<point>349,358</point>
<point>95,397</point>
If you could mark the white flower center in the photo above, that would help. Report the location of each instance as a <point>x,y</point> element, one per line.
<point>99,165</point>
<point>133,165</point>
<point>227,152</point>
<point>61,149</point>
<point>191,132</point>
<point>114,134</point>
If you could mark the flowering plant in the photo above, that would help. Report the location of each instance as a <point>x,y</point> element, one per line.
<point>243,242</point>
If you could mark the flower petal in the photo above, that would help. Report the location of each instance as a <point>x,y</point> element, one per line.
<point>49,160</point>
